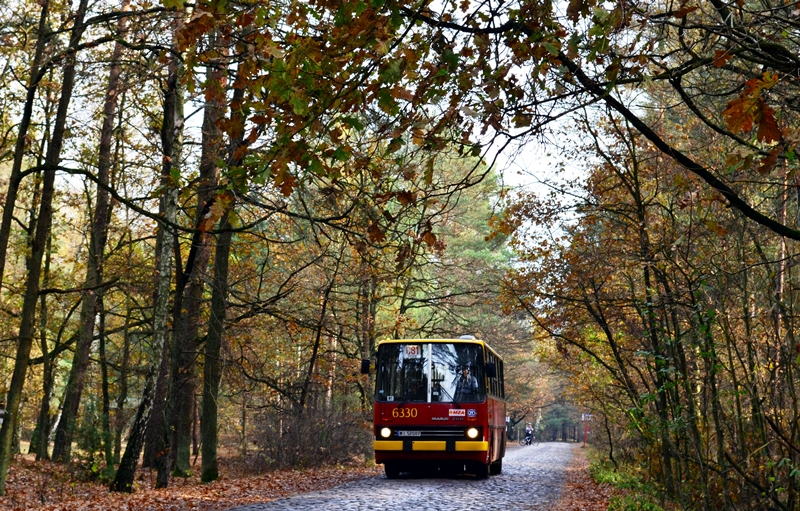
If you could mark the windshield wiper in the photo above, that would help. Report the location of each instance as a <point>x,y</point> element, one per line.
<point>450,398</point>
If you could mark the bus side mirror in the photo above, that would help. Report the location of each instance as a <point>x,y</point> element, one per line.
<point>364,366</point>
<point>491,371</point>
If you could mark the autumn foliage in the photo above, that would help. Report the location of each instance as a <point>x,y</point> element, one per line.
<point>272,186</point>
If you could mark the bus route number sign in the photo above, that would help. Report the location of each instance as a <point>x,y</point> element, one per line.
<point>412,351</point>
<point>404,413</point>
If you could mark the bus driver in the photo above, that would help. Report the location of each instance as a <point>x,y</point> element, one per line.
<point>466,386</point>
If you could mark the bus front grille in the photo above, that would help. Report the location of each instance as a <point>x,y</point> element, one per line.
<point>420,434</point>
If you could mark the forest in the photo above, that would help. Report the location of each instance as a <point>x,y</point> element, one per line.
<point>213,210</point>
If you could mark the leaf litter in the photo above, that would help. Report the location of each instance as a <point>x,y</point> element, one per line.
<point>48,486</point>
<point>580,491</point>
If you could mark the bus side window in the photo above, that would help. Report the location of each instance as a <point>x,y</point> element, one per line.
<point>494,374</point>
<point>502,381</point>
<point>491,366</point>
<point>495,380</point>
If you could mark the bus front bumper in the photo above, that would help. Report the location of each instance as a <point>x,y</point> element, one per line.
<point>430,445</point>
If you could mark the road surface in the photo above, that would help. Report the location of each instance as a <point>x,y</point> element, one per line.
<point>532,478</point>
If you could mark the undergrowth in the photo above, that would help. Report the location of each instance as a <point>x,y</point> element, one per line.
<point>637,494</point>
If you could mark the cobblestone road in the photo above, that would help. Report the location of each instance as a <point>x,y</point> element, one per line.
<point>532,478</point>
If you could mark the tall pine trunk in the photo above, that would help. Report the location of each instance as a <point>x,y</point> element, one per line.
<point>94,267</point>
<point>196,268</point>
<point>40,442</point>
<point>212,369</point>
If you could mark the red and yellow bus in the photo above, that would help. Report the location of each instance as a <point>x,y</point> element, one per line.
<point>439,402</point>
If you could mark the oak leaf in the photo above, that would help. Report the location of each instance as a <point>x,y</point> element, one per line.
<point>769,163</point>
<point>721,57</point>
<point>405,197</point>
<point>683,11</point>
<point>750,109</point>
<point>285,182</point>
<point>429,238</point>
<point>576,8</point>
<point>219,205</point>
<point>768,129</point>
<point>376,234</point>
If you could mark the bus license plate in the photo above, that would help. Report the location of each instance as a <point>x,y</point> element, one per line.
<point>409,433</point>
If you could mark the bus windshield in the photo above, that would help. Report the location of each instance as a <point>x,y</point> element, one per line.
<point>440,372</point>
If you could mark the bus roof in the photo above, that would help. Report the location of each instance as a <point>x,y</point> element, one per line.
<point>465,339</point>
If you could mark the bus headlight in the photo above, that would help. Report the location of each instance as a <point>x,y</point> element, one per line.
<point>473,433</point>
<point>386,432</point>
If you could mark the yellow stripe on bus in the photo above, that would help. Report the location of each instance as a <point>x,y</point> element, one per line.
<point>472,446</point>
<point>387,445</point>
<point>429,445</point>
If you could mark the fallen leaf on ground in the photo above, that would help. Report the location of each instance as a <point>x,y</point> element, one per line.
<point>47,486</point>
<point>580,491</point>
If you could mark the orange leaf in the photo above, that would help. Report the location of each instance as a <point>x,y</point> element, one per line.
<point>285,182</point>
<point>721,57</point>
<point>768,129</point>
<point>218,207</point>
<point>769,163</point>
<point>716,228</point>
<point>739,115</point>
<point>402,254</point>
<point>742,112</point>
<point>576,8</point>
<point>376,234</point>
<point>429,238</point>
<point>240,152</point>
<point>401,93</point>
<point>683,11</point>
<point>406,197</point>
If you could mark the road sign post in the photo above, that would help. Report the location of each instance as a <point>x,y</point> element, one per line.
<point>586,418</point>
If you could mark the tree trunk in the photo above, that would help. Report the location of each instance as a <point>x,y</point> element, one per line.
<point>123,481</point>
<point>317,340</point>
<point>188,320</point>
<point>106,412</point>
<point>171,140</point>
<point>34,261</point>
<point>119,416</point>
<point>40,442</point>
<point>94,265</point>
<point>155,430</point>
<point>127,468</point>
<point>212,368</point>
<point>19,148</point>
<point>197,262</point>
<point>35,201</point>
